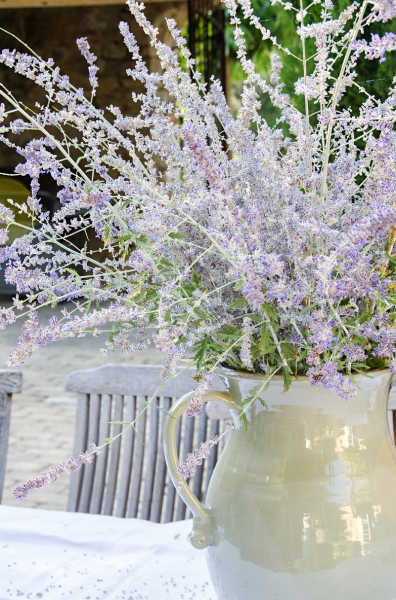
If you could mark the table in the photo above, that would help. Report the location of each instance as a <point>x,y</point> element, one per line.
<point>56,555</point>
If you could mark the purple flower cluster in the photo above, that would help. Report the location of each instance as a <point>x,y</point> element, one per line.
<point>84,48</point>
<point>382,335</point>
<point>35,335</point>
<point>195,458</point>
<point>54,473</point>
<point>197,401</point>
<point>202,154</point>
<point>377,47</point>
<point>384,10</point>
<point>376,224</point>
<point>327,374</point>
<point>321,331</point>
<point>354,353</point>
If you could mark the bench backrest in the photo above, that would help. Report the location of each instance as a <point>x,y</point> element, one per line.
<point>10,383</point>
<point>130,478</point>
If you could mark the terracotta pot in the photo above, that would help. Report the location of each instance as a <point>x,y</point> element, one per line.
<point>302,506</point>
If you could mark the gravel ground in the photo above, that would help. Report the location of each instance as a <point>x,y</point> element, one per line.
<point>43,415</point>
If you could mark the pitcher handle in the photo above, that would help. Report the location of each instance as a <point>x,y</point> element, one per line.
<point>202,531</point>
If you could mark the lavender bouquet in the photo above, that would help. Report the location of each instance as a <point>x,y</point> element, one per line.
<point>262,248</point>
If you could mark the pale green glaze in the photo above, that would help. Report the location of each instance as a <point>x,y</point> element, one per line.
<point>302,506</point>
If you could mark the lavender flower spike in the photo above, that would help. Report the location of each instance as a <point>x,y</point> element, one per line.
<point>196,402</point>
<point>202,154</point>
<point>194,459</point>
<point>90,57</point>
<point>54,473</point>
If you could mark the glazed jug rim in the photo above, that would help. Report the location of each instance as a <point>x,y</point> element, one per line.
<point>234,373</point>
<point>238,374</point>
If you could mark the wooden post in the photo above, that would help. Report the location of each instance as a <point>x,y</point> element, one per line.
<point>10,383</point>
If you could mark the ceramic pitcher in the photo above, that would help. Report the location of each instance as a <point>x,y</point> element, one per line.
<point>302,505</point>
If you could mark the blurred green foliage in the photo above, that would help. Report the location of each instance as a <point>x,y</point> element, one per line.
<point>373,76</point>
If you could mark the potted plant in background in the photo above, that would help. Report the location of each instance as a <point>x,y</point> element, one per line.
<point>267,252</point>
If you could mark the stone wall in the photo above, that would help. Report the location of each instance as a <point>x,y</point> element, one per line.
<point>52,32</point>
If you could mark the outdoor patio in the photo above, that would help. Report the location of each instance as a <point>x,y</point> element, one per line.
<point>223,173</point>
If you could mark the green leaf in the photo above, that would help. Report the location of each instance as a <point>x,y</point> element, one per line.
<point>255,352</point>
<point>196,278</point>
<point>230,331</point>
<point>239,302</point>
<point>234,364</point>
<point>230,336</point>
<point>287,380</point>
<point>360,371</point>
<point>201,312</point>
<point>140,297</point>
<point>124,238</point>
<point>265,338</point>
<point>165,263</point>
<point>201,348</point>
<point>270,312</point>
<point>188,289</point>
<point>263,402</point>
<point>216,347</point>
<point>255,318</point>
<point>238,285</point>
<point>151,294</point>
<point>248,399</point>
<point>366,316</point>
<point>178,236</point>
<point>142,241</point>
<point>88,306</point>
<point>139,439</point>
<point>288,350</point>
<point>255,397</point>
<point>72,272</point>
<point>244,421</point>
<point>360,366</point>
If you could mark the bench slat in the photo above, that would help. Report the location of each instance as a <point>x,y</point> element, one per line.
<point>80,445</point>
<point>170,488</point>
<point>5,417</point>
<point>188,430</point>
<point>160,468</point>
<point>151,456</point>
<point>127,457</point>
<point>88,471</point>
<point>101,459</point>
<point>137,468</point>
<point>10,383</point>
<point>112,471</point>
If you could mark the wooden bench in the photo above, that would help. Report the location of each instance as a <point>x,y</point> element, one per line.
<point>130,478</point>
<point>10,383</point>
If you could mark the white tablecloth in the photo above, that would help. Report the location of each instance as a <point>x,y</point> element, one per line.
<point>57,555</point>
